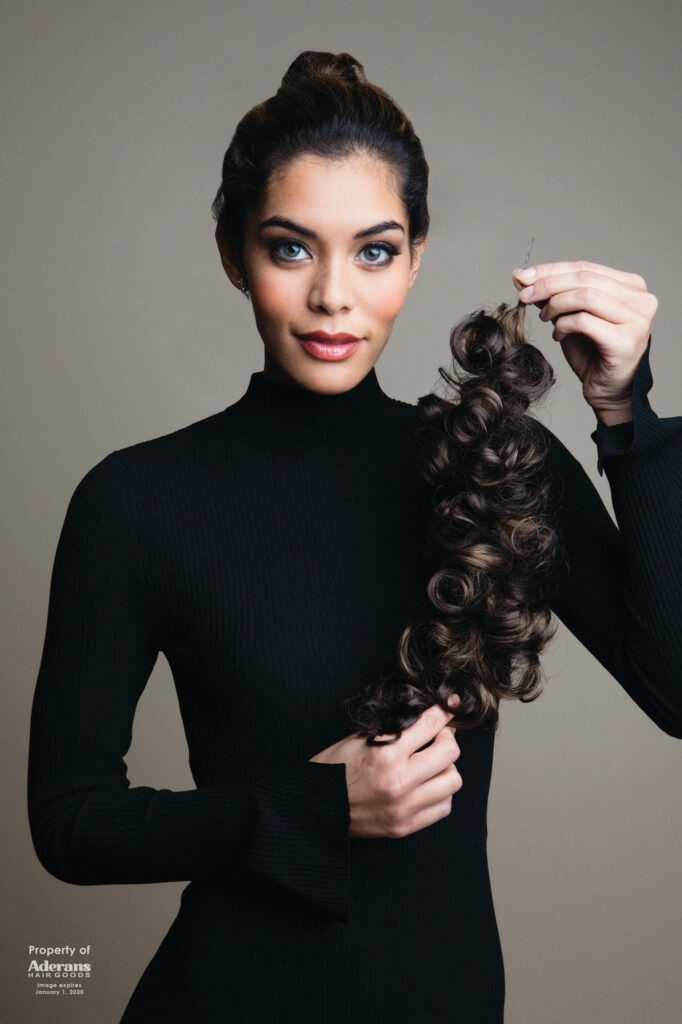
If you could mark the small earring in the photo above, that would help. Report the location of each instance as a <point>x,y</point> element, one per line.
<point>242,285</point>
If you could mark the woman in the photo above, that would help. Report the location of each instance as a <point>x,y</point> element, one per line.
<point>284,555</point>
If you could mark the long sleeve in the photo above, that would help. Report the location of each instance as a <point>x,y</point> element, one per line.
<point>88,825</point>
<point>622,594</point>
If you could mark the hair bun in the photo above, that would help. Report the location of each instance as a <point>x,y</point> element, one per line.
<point>315,63</point>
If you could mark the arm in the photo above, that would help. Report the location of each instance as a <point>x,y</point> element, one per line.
<point>622,594</point>
<point>88,825</point>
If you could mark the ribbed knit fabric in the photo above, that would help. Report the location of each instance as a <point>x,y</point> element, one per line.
<point>270,552</point>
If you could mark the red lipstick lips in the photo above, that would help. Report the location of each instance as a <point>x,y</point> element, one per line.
<point>335,339</point>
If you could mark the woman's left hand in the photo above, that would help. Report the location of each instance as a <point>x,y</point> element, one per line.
<point>602,318</point>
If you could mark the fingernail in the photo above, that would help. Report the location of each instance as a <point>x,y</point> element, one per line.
<point>453,700</point>
<point>526,275</point>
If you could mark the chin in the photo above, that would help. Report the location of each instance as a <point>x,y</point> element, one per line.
<point>327,376</point>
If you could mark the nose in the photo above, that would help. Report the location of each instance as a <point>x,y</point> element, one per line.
<point>331,287</point>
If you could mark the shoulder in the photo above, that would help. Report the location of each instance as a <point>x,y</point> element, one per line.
<point>154,465</point>
<point>170,449</point>
<point>559,460</point>
<point>575,499</point>
<point>407,413</point>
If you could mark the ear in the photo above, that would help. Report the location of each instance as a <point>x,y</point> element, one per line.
<point>230,267</point>
<point>416,260</point>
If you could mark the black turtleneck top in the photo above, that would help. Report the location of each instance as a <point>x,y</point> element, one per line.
<point>269,551</point>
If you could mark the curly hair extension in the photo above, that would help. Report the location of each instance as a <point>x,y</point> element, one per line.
<point>491,544</point>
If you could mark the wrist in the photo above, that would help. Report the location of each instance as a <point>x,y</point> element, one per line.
<point>614,414</point>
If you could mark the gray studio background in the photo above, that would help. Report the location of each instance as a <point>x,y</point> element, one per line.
<point>549,119</point>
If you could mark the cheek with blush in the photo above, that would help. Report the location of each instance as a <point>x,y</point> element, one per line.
<point>273,296</point>
<point>385,307</point>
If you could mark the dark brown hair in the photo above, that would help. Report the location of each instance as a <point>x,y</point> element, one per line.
<point>324,106</point>
<point>491,545</point>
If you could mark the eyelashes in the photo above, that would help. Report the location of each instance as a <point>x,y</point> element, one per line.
<point>276,245</point>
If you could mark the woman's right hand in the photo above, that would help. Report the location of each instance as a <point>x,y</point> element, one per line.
<point>398,788</point>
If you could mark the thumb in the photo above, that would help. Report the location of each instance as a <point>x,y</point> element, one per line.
<point>453,702</point>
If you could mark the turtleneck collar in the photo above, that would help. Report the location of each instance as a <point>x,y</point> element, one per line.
<point>280,410</point>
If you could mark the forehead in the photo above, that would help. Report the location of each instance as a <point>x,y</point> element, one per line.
<point>352,191</point>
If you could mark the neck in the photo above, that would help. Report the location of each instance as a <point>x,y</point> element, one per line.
<point>282,408</point>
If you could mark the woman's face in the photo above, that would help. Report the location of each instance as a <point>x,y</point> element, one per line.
<point>327,251</point>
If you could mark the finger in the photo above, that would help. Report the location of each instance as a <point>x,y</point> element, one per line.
<point>601,332</point>
<point>546,269</point>
<point>423,765</point>
<point>588,300</point>
<point>448,725</point>
<point>437,788</point>
<point>429,723</point>
<point>585,281</point>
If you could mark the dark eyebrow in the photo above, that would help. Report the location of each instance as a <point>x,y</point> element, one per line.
<point>282,222</point>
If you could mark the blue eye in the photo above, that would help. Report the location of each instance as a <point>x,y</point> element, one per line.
<point>386,247</point>
<point>275,247</point>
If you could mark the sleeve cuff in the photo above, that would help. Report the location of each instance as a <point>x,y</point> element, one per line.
<point>636,434</point>
<point>301,834</point>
